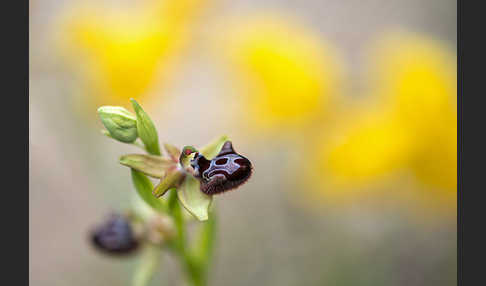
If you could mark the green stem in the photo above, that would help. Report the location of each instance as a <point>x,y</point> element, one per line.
<point>149,262</point>
<point>194,262</point>
<point>203,248</point>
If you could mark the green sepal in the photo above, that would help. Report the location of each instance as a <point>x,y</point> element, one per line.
<point>212,149</point>
<point>150,165</point>
<point>146,129</point>
<point>194,201</point>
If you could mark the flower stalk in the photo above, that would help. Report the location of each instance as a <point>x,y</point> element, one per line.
<point>170,202</point>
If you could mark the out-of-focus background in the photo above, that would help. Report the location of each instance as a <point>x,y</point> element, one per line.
<point>347,110</point>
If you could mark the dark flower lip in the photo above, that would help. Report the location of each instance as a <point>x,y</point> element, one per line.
<point>227,171</point>
<point>219,184</point>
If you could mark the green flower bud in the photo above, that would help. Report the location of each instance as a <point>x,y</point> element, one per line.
<point>119,122</point>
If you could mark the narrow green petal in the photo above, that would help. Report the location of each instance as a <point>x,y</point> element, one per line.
<point>172,180</point>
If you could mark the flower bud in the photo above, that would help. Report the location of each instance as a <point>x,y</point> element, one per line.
<point>115,236</point>
<point>120,123</point>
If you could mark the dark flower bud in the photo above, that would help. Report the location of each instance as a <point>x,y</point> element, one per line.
<point>228,170</point>
<point>115,236</point>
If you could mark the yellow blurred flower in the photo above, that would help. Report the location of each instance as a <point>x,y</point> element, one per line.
<point>370,148</point>
<point>411,128</point>
<point>126,53</point>
<point>287,73</point>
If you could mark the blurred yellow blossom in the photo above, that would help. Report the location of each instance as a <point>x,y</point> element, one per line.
<point>287,73</point>
<point>411,127</point>
<point>126,52</point>
<point>370,148</point>
<point>418,77</point>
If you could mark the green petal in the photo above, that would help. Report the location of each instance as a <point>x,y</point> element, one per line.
<point>150,165</point>
<point>172,180</point>
<point>194,201</point>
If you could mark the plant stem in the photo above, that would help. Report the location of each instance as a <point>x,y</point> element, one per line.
<point>194,263</point>
<point>149,262</point>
